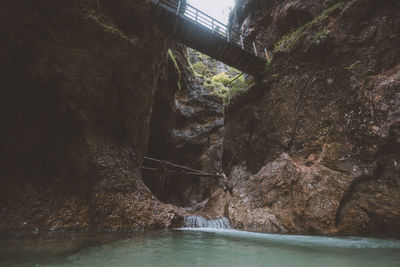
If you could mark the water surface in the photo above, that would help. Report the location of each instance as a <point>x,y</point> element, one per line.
<point>200,247</point>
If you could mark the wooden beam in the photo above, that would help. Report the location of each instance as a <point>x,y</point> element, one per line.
<point>184,173</point>
<point>175,165</point>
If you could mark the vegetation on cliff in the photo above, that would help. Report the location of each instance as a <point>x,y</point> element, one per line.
<point>220,79</point>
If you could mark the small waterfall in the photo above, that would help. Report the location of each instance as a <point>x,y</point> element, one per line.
<point>200,222</point>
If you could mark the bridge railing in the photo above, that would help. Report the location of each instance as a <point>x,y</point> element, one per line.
<point>187,11</point>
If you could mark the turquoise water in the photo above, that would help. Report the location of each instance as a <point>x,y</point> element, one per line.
<point>199,247</point>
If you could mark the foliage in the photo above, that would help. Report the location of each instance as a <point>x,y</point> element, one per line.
<point>353,66</point>
<point>233,72</point>
<point>217,79</point>
<point>238,86</point>
<point>213,86</point>
<point>223,85</point>
<point>171,55</point>
<point>200,69</point>
<point>221,78</point>
<point>319,36</point>
<point>289,40</point>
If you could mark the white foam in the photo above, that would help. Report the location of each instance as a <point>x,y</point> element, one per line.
<point>200,222</point>
<point>301,240</point>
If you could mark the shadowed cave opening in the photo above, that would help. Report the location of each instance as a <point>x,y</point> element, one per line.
<point>178,189</point>
<point>186,128</point>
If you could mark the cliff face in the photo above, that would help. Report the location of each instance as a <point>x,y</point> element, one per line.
<point>187,129</point>
<point>314,147</point>
<point>78,81</point>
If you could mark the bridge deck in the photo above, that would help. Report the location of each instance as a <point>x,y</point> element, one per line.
<point>199,31</point>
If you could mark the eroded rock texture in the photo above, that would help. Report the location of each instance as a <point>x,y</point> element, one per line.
<point>315,147</point>
<point>78,80</point>
<point>187,129</point>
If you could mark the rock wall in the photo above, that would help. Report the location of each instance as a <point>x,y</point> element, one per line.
<point>78,82</point>
<point>315,146</point>
<point>187,129</point>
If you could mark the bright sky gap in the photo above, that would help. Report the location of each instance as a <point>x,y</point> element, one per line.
<point>218,9</point>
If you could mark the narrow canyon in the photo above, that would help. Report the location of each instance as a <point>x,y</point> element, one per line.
<point>311,145</point>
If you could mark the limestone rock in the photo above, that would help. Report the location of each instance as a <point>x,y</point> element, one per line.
<point>329,101</point>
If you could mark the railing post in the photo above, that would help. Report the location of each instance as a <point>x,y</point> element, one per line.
<point>212,26</point>
<point>255,49</point>
<point>179,8</point>
<point>241,41</point>
<point>227,35</point>
<point>266,54</point>
<point>197,14</point>
<point>162,171</point>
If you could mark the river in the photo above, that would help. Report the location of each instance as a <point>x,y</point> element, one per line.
<point>196,247</point>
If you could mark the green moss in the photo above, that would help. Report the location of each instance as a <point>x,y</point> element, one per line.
<point>221,78</point>
<point>289,40</point>
<point>192,68</point>
<point>109,27</point>
<point>219,84</point>
<point>200,56</point>
<point>171,55</point>
<point>213,86</point>
<point>268,65</point>
<point>238,87</point>
<point>319,36</point>
<point>221,93</point>
<point>353,66</point>
<point>202,64</point>
<point>233,72</point>
<point>328,11</point>
<point>200,69</point>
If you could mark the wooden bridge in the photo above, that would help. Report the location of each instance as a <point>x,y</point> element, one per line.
<point>194,28</point>
<point>164,167</point>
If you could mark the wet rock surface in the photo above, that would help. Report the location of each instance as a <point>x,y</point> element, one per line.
<point>317,142</point>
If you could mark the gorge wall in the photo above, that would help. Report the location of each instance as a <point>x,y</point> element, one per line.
<point>314,147</point>
<point>89,88</point>
<point>78,82</point>
<point>186,128</point>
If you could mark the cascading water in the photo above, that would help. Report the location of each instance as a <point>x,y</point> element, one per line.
<point>200,222</point>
